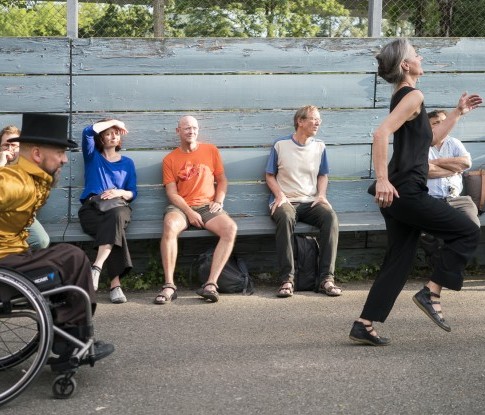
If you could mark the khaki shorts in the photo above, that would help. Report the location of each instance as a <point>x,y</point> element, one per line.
<point>203,211</point>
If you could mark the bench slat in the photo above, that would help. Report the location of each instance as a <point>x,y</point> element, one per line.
<point>241,164</point>
<point>157,92</point>
<point>260,225</point>
<point>285,55</point>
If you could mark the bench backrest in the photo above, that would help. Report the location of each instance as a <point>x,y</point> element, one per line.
<point>244,93</point>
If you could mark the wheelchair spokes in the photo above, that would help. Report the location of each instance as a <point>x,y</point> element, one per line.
<point>26,334</point>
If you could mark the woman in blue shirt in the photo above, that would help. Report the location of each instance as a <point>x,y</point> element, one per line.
<point>107,176</point>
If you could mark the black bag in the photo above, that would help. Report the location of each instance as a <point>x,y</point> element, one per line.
<point>234,277</point>
<point>474,186</point>
<point>103,205</point>
<point>305,253</point>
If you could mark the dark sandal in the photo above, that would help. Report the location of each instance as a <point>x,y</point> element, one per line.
<point>361,333</point>
<point>212,296</point>
<point>281,291</point>
<point>423,300</point>
<point>164,299</point>
<point>329,290</point>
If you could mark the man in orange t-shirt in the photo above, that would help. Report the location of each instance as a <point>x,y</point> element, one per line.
<point>194,179</point>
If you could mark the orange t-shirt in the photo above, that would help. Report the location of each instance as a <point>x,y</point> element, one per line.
<point>194,173</point>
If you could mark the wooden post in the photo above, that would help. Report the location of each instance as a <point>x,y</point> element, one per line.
<point>375,18</point>
<point>72,18</point>
<point>158,18</point>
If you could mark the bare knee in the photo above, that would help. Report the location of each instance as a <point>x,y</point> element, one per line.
<point>172,228</point>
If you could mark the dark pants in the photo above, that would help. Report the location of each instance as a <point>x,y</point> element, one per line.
<point>108,228</point>
<point>410,214</point>
<point>320,216</point>
<point>463,204</point>
<point>74,268</point>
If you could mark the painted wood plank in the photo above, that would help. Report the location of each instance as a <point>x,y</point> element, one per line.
<point>245,199</point>
<point>56,208</point>
<point>34,55</point>
<point>252,128</point>
<point>199,92</point>
<point>241,164</point>
<point>439,89</point>
<point>290,55</point>
<point>156,130</point>
<point>35,93</point>
<point>258,128</point>
<point>477,153</point>
<point>222,55</point>
<point>247,226</point>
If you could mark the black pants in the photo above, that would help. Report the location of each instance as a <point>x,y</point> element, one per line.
<point>108,228</point>
<point>410,214</point>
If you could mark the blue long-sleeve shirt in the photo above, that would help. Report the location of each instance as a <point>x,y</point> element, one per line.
<point>101,174</point>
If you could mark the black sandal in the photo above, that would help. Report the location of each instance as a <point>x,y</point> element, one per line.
<point>163,298</point>
<point>362,333</point>
<point>423,300</point>
<point>212,296</point>
<point>289,290</point>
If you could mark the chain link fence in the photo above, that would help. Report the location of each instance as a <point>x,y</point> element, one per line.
<point>249,18</point>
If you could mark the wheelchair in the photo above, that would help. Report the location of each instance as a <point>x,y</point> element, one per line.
<point>27,333</point>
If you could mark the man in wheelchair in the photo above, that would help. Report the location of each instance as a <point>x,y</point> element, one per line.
<point>24,188</point>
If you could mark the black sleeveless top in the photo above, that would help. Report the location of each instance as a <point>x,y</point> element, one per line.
<point>409,162</point>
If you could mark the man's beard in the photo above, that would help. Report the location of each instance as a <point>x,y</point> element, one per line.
<point>55,177</point>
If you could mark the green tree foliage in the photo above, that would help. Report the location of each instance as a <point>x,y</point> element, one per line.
<point>22,18</point>
<point>267,18</point>
<point>250,18</point>
<point>468,18</point>
<point>115,21</point>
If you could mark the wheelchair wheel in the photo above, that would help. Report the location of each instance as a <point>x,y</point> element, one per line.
<point>64,386</point>
<point>26,334</point>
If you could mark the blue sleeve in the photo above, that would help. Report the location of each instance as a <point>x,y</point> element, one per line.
<point>324,169</point>
<point>272,164</point>
<point>131,183</point>
<point>88,146</point>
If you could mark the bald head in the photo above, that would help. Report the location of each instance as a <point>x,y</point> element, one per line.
<point>187,120</point>
<point>188,131</point>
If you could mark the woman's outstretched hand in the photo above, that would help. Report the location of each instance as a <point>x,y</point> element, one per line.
<point>468,102</point>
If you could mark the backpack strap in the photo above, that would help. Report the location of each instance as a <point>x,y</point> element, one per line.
<point>248,283</point>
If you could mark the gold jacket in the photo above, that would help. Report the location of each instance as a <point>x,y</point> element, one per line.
<point>24,188</point>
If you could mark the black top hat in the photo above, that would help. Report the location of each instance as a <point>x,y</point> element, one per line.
<point>45,129</point>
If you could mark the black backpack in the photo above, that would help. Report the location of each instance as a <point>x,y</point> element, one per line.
<point>305,254</point>
<point>234,277</point>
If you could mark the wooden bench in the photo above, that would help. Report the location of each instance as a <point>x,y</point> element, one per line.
<point>246,201</point>
<point>244,92</point>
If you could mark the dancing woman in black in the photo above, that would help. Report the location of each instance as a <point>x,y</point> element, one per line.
<point>402,196</point>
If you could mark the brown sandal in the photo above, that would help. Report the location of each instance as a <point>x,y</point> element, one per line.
<point>163,298</point>
<point>285,292</point>
<point>211,295</point>
<point>330,290</point>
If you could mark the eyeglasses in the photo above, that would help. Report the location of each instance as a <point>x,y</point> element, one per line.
<point>7,146</point>
<point>313,119</point>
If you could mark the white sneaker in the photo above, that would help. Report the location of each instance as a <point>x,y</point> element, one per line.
<point>95,273</point>
<point>116,295</point>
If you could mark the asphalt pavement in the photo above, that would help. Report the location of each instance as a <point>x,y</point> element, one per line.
<point>265,355</point>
